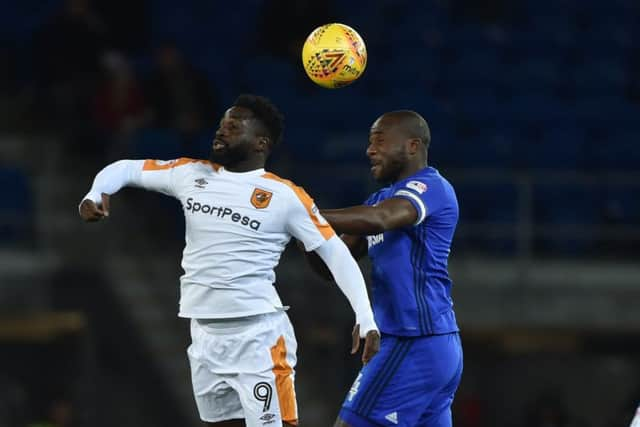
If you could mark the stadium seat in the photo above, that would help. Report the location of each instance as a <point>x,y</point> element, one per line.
<point>265,74</point>
<point>558,207</point>
<point>600,78</point>
<point>156,143</point>
<point>556,148</point>
<point>621,204</point>
<point>16,206</point>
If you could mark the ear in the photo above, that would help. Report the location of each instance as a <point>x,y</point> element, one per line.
<point>264,144</point>
<point>413,145</point>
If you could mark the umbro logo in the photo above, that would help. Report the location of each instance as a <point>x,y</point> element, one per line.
<point>268,419</point>
<point>201,182</point>
<point>393,417</point>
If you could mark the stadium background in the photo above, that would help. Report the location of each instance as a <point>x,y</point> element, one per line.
<point>534,108</point>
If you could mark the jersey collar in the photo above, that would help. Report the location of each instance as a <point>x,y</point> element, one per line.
<point>254,172</point>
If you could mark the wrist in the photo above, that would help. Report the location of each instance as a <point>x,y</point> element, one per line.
<point>367,324</point>
<point>94,196</point>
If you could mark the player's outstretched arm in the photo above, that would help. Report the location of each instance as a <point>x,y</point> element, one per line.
<point>95,205</point>
<point>348,277</point>
<point>364,220</point>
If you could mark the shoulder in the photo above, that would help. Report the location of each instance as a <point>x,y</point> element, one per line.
<point>427,181</point>
<point>182,163</point>
<point>376,196</point>
<point>288,188</point>
<point>282,184</point>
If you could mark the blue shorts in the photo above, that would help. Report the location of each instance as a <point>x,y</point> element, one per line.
<point>410,382</point>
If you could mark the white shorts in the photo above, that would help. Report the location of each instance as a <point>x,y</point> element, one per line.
<point>244,368</point>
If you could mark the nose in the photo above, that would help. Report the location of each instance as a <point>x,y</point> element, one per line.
<point>371,151</point>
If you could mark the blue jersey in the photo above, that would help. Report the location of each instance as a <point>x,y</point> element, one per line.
<point>411,284</point>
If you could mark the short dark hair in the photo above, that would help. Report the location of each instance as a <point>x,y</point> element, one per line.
<point>266,112</point>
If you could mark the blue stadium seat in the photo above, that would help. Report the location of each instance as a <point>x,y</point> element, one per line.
<point>533,109</point>
<point>559,206</point>
<point>155,143</point>
<point>617,150</point>
<point>534,75</point>
<point>265,74</point>
<point>486,201</point>
<point>475,68</point>
<point>16,206</point>
<point>600,78</point>
<point>622,205</point>
<point>558,148</point>
<point>199,146</point>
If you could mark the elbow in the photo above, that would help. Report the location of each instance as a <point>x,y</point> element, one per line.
<point>380,222</point>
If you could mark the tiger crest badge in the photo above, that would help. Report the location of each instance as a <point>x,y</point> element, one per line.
<point>260,199</point>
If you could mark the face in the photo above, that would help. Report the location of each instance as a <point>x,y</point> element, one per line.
<point>387,150</point>
<point>235,138</point>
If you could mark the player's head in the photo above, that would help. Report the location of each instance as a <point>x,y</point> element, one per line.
<point>398,144</point>
<point>247,133</point>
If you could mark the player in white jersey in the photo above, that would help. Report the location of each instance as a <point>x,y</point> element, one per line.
<point>635,422</point>
<point>239,218</point>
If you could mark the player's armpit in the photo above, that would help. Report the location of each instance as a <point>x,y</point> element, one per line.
<point>315,262</point>
<point>357,246</point>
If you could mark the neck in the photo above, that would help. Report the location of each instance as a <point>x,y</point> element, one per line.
<point>411,169</point>
<point>245,165</point>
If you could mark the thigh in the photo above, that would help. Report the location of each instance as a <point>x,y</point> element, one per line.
<point>219,402</point>
<point>269,397</point>
<point>381,393</point>
<point>407,378</point>
<point>438,413</point>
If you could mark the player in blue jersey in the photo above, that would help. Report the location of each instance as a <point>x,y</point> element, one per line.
<point>407,229</point>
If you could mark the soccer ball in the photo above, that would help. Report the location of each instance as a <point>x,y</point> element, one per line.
<point>334,55</point>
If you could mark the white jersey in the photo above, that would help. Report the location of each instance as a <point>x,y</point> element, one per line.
<point>237,226</point>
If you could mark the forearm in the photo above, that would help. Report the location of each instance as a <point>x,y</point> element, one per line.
<point>359,220</point>
<point>348,277</point>
<point>114,177</point>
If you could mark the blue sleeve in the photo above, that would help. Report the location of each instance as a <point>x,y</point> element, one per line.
<point>372,199</point>
<point>426,198</point>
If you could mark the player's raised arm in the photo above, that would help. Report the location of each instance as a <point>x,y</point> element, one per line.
<point>148,174</point>
<point>364,220</point>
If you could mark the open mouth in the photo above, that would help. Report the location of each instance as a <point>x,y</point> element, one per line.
<point>219,144</point>
<point>375,166</point>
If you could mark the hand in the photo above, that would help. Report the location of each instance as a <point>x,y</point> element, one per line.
<point>90,212</point>
<point>371,343</point>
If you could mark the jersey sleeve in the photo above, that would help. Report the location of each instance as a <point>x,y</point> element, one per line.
<point>426,199</point>
<point>304,221</point>
<point>161,175</point>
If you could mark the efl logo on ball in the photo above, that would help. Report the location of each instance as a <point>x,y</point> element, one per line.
<point>334,55</point>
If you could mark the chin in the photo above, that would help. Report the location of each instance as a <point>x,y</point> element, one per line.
<point>221,158</point>
<point>378,177</point>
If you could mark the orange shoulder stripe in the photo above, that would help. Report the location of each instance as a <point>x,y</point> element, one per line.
<point>323,227</point>
<point>156,165</point>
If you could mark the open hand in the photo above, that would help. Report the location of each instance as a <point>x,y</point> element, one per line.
<point>371,343</point>
<point>90,212</point>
